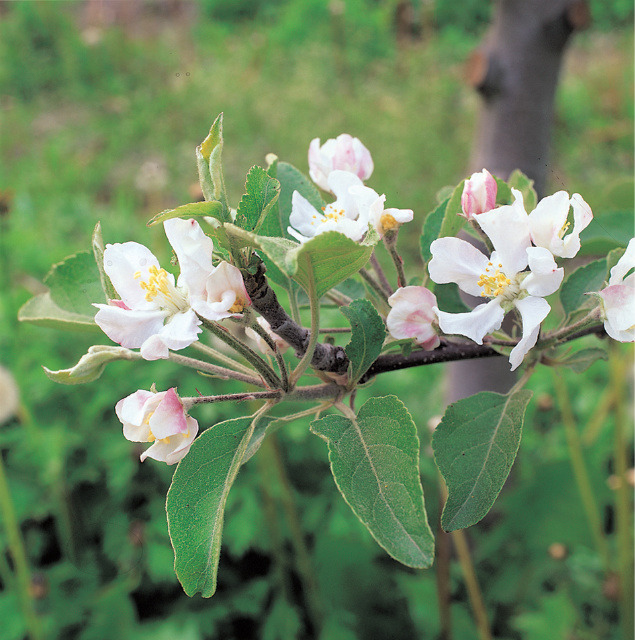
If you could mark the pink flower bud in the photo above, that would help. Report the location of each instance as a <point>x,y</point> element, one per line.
<point>344,153</point>
<point>479,194</point>
<point>412,316</point>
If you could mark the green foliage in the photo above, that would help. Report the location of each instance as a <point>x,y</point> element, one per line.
<point>518,180</point>
<point>261,195</point>
<point>432,228</point>
<point>211,208</point>
<point>375,462</point>
<point>588,278</point>
<point>291,179</point>
<point>581,360</point>
<point>474,447</point>
<point>367,339</point>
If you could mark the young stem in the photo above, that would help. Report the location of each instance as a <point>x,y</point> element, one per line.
<point>374,285</point>
<point>397,261</point>
<point>251,356</point>
<point>221,357</point>
<point>282,365</point>
<point>383,280</point>
<point>618,370</point>
<point>220,372</point>
<point>18,554</point>
<point>579,469</point>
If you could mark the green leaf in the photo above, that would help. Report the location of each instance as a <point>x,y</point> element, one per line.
<point>449,298</point>
<point>375,462</point>
<point>607,231</point>
<point>75,283</point>
<point>518,180</point>
<point>503,192</point>
<point>583,280</point>
<point>367,338</point>
<point>211,208</point>
<point>581,360</point>
<point>261,195</point>
<point>43,312</point>
<point>474,447</point>
<point>431,229</point>
<point>91,365</point>
<point>98,252</point>
<point>291,179</point>
<point>453,221</point>
<point>196,502</point>
<point>210,168</point>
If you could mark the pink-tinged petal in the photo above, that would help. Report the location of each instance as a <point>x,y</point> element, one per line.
<point>193,250</point>
<point>619,310</point>
<point>365,164</point>
<point>508,229</point>
<point>545,276</point>
<point>121,263</point>
<point>479,194</point>
<point>624,264</point>
<point>343,153</point>
<point>317,170</point>
<point>118,303</point>
<point>129,327</point>
<point>175,448</point>
<point>168,418</point>
<point>154,348</point>
<point>532,311</point>
<point>303,214</point>
<point>132,408</point>
<point>454,260</point>
<point>412,316</point>
<point>476,324</point>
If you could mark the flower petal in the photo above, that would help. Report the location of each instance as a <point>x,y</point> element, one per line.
<point>455,260</point>
<point>476,324</point>
<point>582,216</point>
<point>532,311</point>
<point>129,327</point>
<point>545,276</point>
<point>619,309</point>
<point>304,216</point>
<point>547,220</point>
<point>175,448</point>
<point>508,229</point>
<point>121,263</point>
<point>341,184</point>
<point>624,264</point>
<point>412,316</point>
<point>179,332</point>
<point>168,418</point>
<point>131,411</point>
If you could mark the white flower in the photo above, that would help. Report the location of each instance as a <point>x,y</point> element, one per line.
<point>345,153</point>
<point>618,299</point>
<point>548,222</point>
<point>479,194</point>
<point>355,207</point>
<point>501,278</point>
<point>412,316</point>
<point>281,344</point>
<point>159,418</point>
<point>157,314</point>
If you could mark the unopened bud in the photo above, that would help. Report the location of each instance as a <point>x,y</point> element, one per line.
<point>479,194</point>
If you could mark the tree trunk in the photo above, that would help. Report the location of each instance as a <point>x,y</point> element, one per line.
<point>516,72</point>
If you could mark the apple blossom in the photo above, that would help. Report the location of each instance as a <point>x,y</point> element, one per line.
<point>156,313</point>
<point>345,153</point>
<point>618,299</point>
<point>159,418</point>
<point>281,344</point>
<point>479,194</point>
<point>412,316</point>
<point>355,207</point>
<point>502,278</point>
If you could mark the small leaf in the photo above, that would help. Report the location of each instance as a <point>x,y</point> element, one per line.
<point>431,229</point>
<point>91,365</point>
<point>590,277</point>
<point>210,168</point>
<point>75,283</point>
<point>98,252</point>
<point>581,360</point>
<point>453,221</point>
<point>291,179</point>
<point>503,192</point>
<point>43,312</point>
<point>196,502</point>
<point>474,447</point>
<point>261,195</point>
<point>613,258</point>
<point>367,338</point>
<point>375,463</point>
<point>518,180</point>
<point>211,208</point>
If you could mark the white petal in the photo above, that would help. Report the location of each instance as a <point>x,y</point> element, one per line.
<point>131,412</point>
<point>454,260</point>
<point>121,263</point>
<point>303,213</point>
<point>340,183</point>
<point>176,448</point>
<point>582,216</point>
<point>547,220</point>
<point>624,264</point>
<point>533,311</point>
<point>619,309</point>
<point>129,327</point>
<point>193,250</point>
<point>545,276</point>
<point>508,229</point>
<point>476,324</point>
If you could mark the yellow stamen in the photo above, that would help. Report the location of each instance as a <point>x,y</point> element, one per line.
<point>388,222</point>
<point>493,285</point>
<point>562,231</point>
<point>237,307</point>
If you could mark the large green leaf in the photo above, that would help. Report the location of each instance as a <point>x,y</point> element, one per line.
<point>261,194</point>
<point>211,208</point>
<point>75,283</point>
<point>449,298</point>
<point>583,280</point>
<point>431,229</point>
<point>475,446</point>
<point>43,312</point>
<point>518,180</point>
<point>608,230</point>
<point>196,502</point>
<point>581,360</point>
<point>375,463</point>
<point>291,179</point>
<point>453,221</point>
<point>367,337</point>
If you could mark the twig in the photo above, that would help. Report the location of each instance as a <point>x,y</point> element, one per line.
<point>214,354</point>
<point>383,280</point>
<point>215,370</point>
<point>373,284</point>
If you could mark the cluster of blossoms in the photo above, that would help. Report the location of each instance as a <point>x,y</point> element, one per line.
<point>518,274</point>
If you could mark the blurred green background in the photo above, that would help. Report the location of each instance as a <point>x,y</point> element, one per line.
<point>101,107</point>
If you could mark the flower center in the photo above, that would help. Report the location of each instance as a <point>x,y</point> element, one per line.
<point>331,213</point>
<point>388,222</point>
<point>493,281</point>
<point>562,231</point>
<point>237,307</point>
<point>159,287</point>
